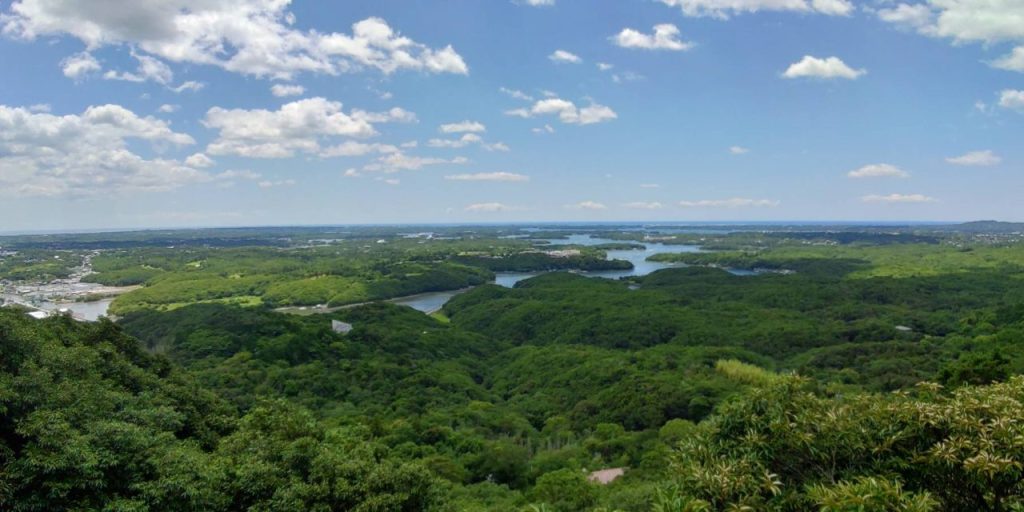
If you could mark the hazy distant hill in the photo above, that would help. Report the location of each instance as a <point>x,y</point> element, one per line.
<point>989,226</point>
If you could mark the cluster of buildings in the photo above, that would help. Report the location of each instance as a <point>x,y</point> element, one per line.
<point>564,253</point>
<point>41,297</point>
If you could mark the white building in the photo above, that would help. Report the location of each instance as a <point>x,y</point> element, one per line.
<point>341,327</point>
<point>606,476</point>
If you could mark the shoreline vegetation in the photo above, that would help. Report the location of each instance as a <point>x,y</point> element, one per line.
<point>309,277</point>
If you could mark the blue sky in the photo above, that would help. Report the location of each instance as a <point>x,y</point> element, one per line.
<point>209,112</point>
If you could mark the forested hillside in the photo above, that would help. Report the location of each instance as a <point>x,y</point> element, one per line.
<point>862,376</point>
<point>90,420</point>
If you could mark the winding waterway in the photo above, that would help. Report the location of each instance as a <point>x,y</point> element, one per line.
<point>431,302</point>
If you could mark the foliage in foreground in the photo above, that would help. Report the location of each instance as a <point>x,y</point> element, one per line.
<point>89,421</point>
<point>785,447</point>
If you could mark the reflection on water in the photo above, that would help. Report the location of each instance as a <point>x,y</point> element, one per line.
<point>90,311</point>
<point>431,302</point>
<point>638,257</point>
<point>509,279</point>
<point>428,302</point>
<point>742,272</point>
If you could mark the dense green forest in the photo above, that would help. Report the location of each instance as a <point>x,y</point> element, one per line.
<point>91,420</point>
<point>38,265</point>
<point>341,273</point>
<point>872,375</point>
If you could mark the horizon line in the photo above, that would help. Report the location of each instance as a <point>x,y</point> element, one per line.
<point>791,223</point>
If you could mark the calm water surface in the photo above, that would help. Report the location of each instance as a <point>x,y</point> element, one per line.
<point>91,310</point>
<point>430,302</point>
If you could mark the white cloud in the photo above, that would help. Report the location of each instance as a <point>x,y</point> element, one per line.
<point>40,107</point>
<point>543,129</point>
<point>537,3</point>
<point>199,160</point>
<point>722,9</point>
<point>738,150</point>
<point>587,205</point>
<point>278,183</point>
<point>735,202</point>
<point>167,108</point>
<point>394,115</point>
<point>664,37</point>
<point>831,67</point>
<point>283,90</point>
<point>190,86</point>
<point>398,161</point>
<point>604,66</point>
<point>1012,99</point>
<point>252,37</point>
<point>594,113</point>
<point>126,122</point>
<point>352,173</point>
<point>988,21</point>
<point>898,198</point>
<point>976,159</point>
<point>237,174</point>
<point>626,76</point>
<point>463,127</point>
<point>517,94</point>
<point>878,171</point>
<point>42,154</point>
<point>641,205</point>
<point>149,69</point>
<point>650,185</point>
<point>488,207</point>
<point>1013,61</point>
<point>465,140</point>
<point>566,111</point>
<point>564,56</point>
<point>917,16</point>
<point>79,65</point>
<point>299,126</point>
<point>392,181</point>
<point>488,176</point>
<point>355,148</point>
